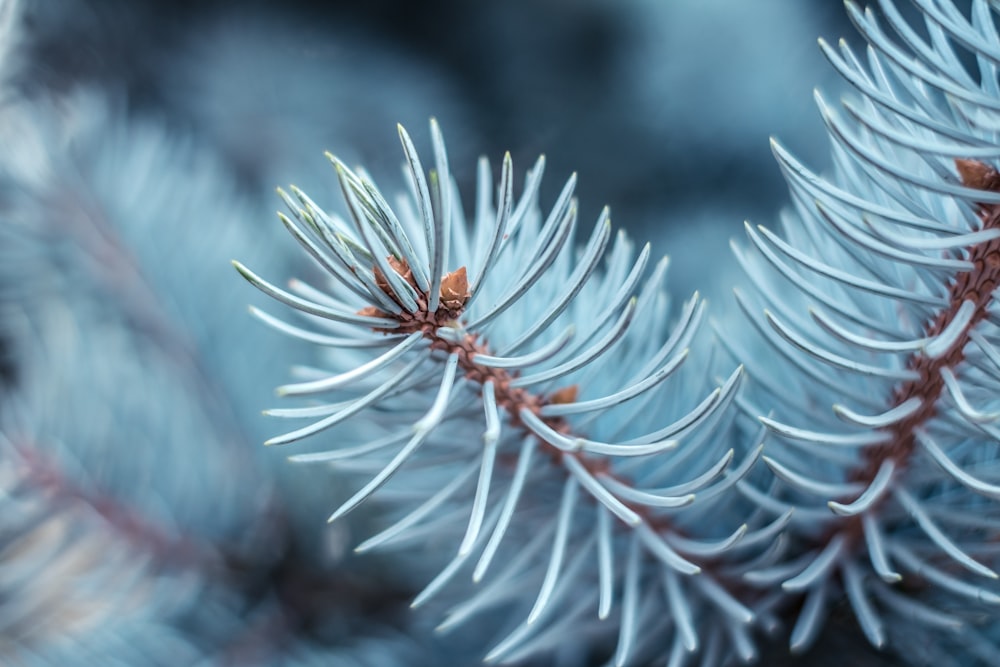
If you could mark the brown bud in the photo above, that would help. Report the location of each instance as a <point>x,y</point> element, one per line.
<point>399,266</point>
<point>382,282</point>
<point>978,175</point>
<point>371,311</point>
<point>403,269</point>
<point>564,395</point>
<point>455,290</point>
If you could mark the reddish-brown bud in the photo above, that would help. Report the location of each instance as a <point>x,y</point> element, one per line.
<point>399,266</point>
<point>371,311</point>
<point>403,269</point>
<point>978,175</point>
<point>455,290</point>
<point>564,395</point>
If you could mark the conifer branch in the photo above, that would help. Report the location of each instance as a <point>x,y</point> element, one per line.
<point>571,368</point>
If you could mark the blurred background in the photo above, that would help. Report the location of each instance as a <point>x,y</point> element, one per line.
<point>664,108</point>
<point>143,142</point>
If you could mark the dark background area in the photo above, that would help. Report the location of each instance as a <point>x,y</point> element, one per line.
<point>663,108</point>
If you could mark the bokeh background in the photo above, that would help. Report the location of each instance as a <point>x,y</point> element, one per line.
<point>143,142</point>
<point>663,107</point>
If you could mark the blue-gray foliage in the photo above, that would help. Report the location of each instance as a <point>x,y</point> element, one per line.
<point>498,403</point>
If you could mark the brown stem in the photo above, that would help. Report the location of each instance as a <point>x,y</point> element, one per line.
<point>515,399</point>
<point>454,295</point>
<point>977,286</point>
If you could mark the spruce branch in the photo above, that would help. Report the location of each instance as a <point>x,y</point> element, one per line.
<point>877,302</point>
<point>502,391</point>
<point>522,376</point>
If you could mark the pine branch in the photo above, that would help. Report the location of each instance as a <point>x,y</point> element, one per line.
<point>872,354</point>
<point>878,302</point>
<point>562,371</point>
